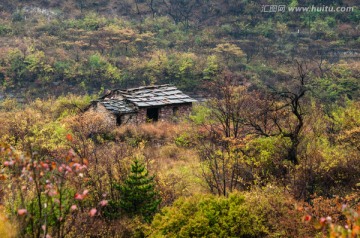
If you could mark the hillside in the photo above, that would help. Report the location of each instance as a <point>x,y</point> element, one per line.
<point>84,46</point>
<point>270,150</point>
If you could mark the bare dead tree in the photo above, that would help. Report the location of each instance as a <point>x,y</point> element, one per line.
<point>236,112</point>
<point>294,102</point>
<point>227,104</point>
<point>181,10</point>
<point>276,113</point>
<point>281,113</point>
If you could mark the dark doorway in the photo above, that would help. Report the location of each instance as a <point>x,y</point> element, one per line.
<point>118,120</point>
<point>152,114</point>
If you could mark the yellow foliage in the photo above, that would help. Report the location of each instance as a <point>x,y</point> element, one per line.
<point>7,228</point>
<point>229,49</point>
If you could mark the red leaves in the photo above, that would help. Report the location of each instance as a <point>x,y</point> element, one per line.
<point>78,167</point>
<point>79,196</point>
<point>64,168</point>
<point>68,169</point>
<point>73,208</point>
<point>103,203</point>
<point>44,165</point>
<point>53,165</point>
<point>93,212</point>
<point>85,192</point>
<point>45,172</point>
<point>9,163</point>
<point>322,222</point>
<point>69,137</point>
<point>307,218</point>
<point>22,212</point>
<point>61,168</point>
<point>52,193</point>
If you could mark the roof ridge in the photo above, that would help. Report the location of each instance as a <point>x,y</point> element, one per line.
<point>146,87</point>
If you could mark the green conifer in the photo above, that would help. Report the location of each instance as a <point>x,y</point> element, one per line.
<point>138,194</point>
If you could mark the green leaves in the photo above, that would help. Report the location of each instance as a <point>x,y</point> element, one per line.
<point>212,67</point>
<point>138,195</point>
<point>38,66</point>
<point>209,216</point>
<point>4,29</point>
<point>99,69</point>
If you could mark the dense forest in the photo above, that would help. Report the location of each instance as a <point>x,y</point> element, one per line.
<point>272,148</point>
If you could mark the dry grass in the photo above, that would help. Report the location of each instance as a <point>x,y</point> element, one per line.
<point>177,171</point>
<point>155,133</point>
<point>7,228</point>
<point>176,167</point>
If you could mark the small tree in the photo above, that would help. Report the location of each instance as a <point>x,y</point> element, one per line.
<point>138,195</point>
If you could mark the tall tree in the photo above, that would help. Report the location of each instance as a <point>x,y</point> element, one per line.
<point>223,136</point>
<point>138,194</point>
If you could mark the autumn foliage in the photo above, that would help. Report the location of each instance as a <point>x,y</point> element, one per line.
<point>270,150</point>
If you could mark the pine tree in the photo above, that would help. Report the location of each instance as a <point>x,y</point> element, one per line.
<point>138,194</point>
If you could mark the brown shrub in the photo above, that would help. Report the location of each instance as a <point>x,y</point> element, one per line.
<point>154,133</point>
<point>284,215</point>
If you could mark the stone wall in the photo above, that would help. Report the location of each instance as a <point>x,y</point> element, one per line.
<point>171,112</point>
<point>134,118</point>
<point>110,117</point>
<point>166,113</point>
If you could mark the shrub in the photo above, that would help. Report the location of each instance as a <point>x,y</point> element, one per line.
<point>4,30</point>
<point>183,139</point>
<point>352,227</point>
<point>209,216</point>
<point>283,214</point>
<point>267,212</point>
<point>335,217</point>
<point>41,199</point>
<point>155,133</point>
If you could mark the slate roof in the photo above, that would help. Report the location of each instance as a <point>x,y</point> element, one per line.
<point>128,100</point>
<point>156,96</point>
<point>118,106</point>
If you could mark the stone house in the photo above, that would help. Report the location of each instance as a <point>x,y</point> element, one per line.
<point>143,104</point>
